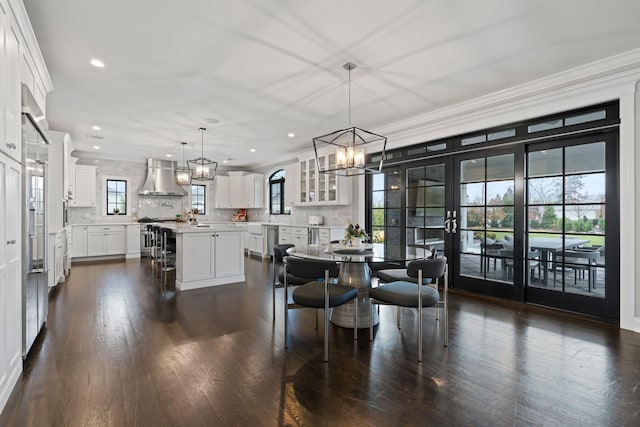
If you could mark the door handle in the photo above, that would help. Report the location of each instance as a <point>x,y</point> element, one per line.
<point>447,223</point>
<point>455,222</point>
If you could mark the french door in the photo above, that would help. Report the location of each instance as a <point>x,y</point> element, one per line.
<point>526,222</point>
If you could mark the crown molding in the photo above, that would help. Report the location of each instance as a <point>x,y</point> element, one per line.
<point>602,80</point>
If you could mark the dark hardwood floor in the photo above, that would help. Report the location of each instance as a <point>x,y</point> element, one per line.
<point>117,352</point>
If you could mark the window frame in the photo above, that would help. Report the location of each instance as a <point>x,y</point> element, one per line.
<point>280,182</point>
<point>204,198</point>
<point>127,196</point>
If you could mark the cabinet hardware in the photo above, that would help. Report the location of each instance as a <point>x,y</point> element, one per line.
<point>11,242</point>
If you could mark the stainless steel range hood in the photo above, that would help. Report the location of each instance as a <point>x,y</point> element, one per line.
<point>161,180</point>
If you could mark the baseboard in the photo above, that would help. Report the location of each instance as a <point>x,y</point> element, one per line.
<point>12,380</point>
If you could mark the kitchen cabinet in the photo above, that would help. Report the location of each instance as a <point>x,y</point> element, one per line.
<point>84,186</point>
<point>253,190</point>
<point>222,192</point>
<point>209,258</point>
<point>132,241</point>
<point>10,92</point>
<point>239,191</point>
<point>322,188</point>
<point>298,236</point>
<point>105,240</point>
<point>10,276</point>
<point>255,238</point>
<point>57,247</point>
<point>236,198</point>
<point>68,165</point>
<point>17,45</point>
<point>291,184</point>
<point>79,241</point>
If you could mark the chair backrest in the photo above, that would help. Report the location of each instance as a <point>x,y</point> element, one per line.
<point>431,268</point>
<point>311,269</point>
<point>280,251</point>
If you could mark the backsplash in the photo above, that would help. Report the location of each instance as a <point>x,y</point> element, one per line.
<point>168,207</point>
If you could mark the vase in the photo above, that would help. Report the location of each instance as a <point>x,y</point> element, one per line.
<point>356,242</point>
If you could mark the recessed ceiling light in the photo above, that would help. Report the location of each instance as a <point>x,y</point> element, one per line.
<point>225,161</point>
<point>96,127</point>
<point>169,155</point>
<point>253,150</point>
<point>97,63</point>
<point>96,161</point>
<point>291,134</point>
<point>96,147</point>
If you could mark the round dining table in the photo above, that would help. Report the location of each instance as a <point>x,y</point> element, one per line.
<point>354,271</point>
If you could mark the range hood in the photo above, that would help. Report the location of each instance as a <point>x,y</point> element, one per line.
<point>161,180</point>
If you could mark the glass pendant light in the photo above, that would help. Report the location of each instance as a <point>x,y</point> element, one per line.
<point>183,173</point>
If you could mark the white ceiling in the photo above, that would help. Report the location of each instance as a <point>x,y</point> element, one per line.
<point>267,68</point>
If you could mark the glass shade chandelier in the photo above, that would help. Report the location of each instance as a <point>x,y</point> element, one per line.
<point>348,143</point>
<point>183,173</point>
<point>202,169</point>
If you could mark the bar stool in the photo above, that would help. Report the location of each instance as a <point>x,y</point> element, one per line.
<point>148,242</point>
<point>167,254</point>
<point>156,247</point>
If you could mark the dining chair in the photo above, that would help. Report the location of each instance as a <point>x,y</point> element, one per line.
<point>395,272</point>
<point>412,295</point>
<point>278,272</point>
<point>581,261</point>
<point>533,263</point>
<point>318,293</point>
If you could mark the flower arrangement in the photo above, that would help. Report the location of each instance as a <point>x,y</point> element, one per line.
<point>354,231</point>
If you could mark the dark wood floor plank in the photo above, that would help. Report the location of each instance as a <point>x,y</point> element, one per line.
<point>119,352</point>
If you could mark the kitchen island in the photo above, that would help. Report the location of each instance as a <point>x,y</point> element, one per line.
<point>208,255</point>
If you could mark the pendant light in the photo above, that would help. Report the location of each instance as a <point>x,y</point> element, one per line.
<point>183,173</point>
<point>202,169</point>
<point>350,157</point>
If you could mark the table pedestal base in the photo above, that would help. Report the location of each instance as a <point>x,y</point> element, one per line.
<point>358,276</point>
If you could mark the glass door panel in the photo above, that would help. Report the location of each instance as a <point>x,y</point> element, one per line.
<point>484,215</point>
<point>425,210</point>
<point>571,192</point>
<point>322,181</point>
<point>312,180</point>
<point>303,182</point>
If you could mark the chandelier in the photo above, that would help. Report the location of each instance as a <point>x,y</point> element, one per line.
<point>183,173</point>
<point>202,169</point>
<point>350,157</point>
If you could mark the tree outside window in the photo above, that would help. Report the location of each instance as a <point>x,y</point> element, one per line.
<point>198,198</point>
<point>116,197</point>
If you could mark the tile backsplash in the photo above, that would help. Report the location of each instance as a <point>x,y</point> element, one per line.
<point>168,207</point>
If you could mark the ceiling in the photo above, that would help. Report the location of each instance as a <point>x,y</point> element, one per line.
<point>252,71</point>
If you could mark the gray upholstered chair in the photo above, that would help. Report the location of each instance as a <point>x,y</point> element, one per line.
<point>409,294</point>
<point>394,273</point>
<point>318,293</point>
<point>278,272</point>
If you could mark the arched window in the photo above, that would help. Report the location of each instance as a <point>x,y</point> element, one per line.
<point>276,193</point>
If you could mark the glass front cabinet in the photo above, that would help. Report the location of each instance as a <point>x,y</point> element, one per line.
<point>323,188</point>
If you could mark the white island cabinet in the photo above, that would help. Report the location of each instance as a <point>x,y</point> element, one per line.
<point>208,256</point>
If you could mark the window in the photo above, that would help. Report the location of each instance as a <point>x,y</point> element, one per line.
<point>116,197</point>
<point>199,198</point>
<point>276,193</point>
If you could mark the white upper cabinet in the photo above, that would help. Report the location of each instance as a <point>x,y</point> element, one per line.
<point>253,190</point>
<point>222,192</point>
<point>239,191</point>
<point>10,97</point>
<point>84,192</point>
<point>322,188</point>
